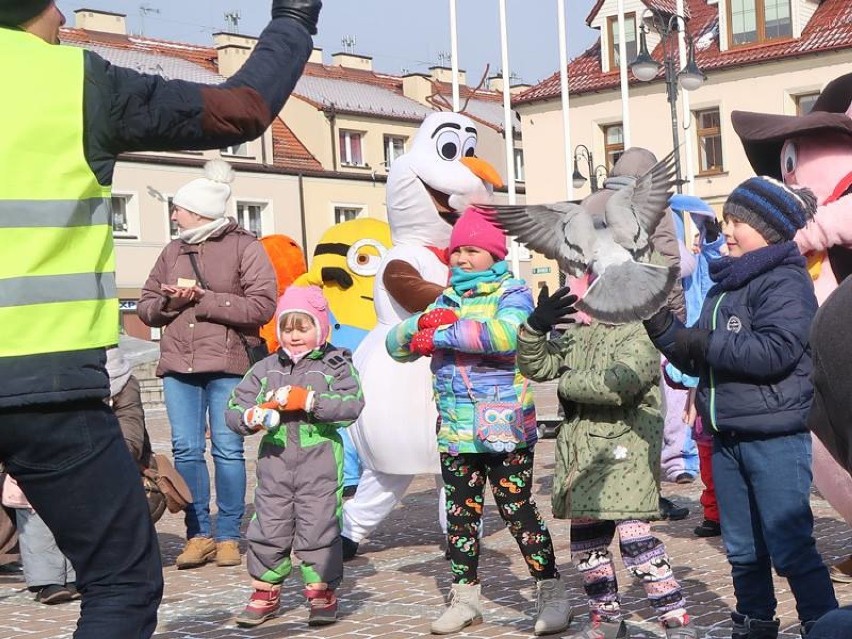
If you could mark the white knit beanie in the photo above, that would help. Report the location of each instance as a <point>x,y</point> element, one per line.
<point>207,196</point>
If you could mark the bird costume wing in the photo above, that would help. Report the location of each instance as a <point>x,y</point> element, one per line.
<point>633,213</point>
<point>561,231</point>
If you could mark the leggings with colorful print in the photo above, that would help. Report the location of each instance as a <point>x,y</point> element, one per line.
<point>510,476</point>
<point>644,556</point>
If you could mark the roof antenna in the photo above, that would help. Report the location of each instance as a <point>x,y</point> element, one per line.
<point>144,10</point>
<point>348,43</point>
<point>232,20</point>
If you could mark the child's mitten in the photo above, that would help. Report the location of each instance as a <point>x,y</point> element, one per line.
<point>298,399</point>
<point>278,396</point>
<point>437,317</point>
<point>258,418</point>
<point>423,342</point>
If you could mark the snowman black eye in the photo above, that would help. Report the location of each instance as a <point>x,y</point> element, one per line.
<point>469,147</point>
<point>789,157</point>
<point>448,145</point>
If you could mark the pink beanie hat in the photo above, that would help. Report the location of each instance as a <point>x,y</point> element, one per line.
<point>474,229</point>
<point>308,300</point>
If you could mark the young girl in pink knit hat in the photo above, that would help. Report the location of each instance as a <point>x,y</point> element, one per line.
<point>487,418</point>
<point>298,398</point>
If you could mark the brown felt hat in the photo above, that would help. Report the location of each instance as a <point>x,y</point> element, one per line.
<point>763,134</point>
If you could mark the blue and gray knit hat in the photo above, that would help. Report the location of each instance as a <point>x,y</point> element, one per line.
<point>771,207</point>
<point>14,13</point>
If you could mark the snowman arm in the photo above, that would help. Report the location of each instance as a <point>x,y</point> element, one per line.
<point>831,226</point>
<point>408,288</point>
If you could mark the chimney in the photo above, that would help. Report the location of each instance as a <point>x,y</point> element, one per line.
<point>352,61</point>
<point>445,74</point>
<point>417,87</point>
<point>495,83</point>
<point>515,89</point>
<point>103,21</point>
<point>232,50</point>
<point>316,56</point>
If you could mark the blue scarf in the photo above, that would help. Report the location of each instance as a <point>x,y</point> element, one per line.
<point>731,273</point>
<point>464,281</point>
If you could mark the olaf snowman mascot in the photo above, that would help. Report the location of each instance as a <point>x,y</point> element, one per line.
<point>395,435</point>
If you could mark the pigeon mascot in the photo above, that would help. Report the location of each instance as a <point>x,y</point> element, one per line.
<point>815,151</point>
<point>606,241</point>
<point>395,434</point>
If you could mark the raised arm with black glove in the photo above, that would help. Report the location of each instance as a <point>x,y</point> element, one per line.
<point>552,309</point>
<point>304,11</point>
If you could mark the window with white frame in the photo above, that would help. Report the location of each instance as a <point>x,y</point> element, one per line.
<point>124,222</point>
<point>346,213</point>
<point>519,165</point>
<point>805,103</point>
<point>237,150</point>
<point>629,39</point>
<point>754,21</point>
<point>250,217</point>
<point>351,151</point>
<point>394,147</point>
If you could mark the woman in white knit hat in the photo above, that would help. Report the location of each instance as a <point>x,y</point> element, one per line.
<point>210,290</point>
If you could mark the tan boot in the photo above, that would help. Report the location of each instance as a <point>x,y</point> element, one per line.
<point>197,552</point>
<point>465,610</point>
<point>228,553</point>
<point>553,612</point>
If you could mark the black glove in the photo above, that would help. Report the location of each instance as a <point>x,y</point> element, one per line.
<point>551,309</point>
<point>691,346</point>
<point>659,322</point>
<point>712,230</point>
<point>306,12</point>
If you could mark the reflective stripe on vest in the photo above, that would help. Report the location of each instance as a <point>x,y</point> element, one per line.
<point>57,262</point>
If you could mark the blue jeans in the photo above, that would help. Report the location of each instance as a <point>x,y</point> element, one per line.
<point>837,624</point>
<point>192,400</point>
<point>763,488</point>
<point>74,467</point>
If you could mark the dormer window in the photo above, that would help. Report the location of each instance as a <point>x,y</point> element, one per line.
<point>629,40</point>
<point>755,21</point>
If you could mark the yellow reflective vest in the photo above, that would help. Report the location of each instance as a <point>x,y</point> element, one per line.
<point>57,261</point>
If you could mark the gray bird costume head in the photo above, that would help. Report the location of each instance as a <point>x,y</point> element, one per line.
<point>14,13</point>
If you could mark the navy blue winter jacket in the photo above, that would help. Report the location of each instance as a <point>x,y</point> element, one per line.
<point>756,376</point>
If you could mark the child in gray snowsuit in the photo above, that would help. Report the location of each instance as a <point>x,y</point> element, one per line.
<point>299,396</point>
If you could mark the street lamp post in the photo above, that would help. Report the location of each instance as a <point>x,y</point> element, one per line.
<point>577,178</point>
<point>645,69</point>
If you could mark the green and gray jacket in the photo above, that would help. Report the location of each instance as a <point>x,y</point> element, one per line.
<point>608,449</point>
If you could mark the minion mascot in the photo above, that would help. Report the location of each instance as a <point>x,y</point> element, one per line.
<point>344,266</point>
<point>815,150</point>
<point>288,261</point>
<point>395,435</point>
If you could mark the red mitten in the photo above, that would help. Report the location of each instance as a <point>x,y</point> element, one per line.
<point>437,317</point>
<point>297,399</point>
<point>423,342</point>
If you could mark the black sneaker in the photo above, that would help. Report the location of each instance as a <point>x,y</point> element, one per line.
<point>72,588</point>
<point>53,594</point>
<point>685,478</point>
<point>708,528</point>
<point>671,511</point>
<point>349,548</point>
<point>349,491</point>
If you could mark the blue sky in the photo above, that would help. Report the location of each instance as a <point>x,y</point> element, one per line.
<point>401,35</point>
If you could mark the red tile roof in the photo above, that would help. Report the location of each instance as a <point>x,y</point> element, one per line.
<point>830,28</point>
<point>288,152</point>
<point>665,6</point>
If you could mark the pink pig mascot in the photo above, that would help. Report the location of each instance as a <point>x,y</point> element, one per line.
<point>815,150</point>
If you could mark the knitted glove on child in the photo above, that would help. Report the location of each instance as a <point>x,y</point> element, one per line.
<point>278,397</point>
<point>423,342</point>
<point>298,399</point>
<point>437,317</point>
<point>258,418</point>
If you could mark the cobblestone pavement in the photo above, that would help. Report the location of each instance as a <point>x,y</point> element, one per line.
<point>396,586</point>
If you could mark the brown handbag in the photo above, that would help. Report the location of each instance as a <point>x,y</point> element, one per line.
<point>162,478</point>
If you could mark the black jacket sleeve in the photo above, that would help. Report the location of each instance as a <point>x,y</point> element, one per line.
<point>131,111</point>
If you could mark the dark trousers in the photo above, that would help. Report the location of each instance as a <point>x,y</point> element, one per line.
<point>510,476</point>
<point>74,467</point>
<point>763,489</point>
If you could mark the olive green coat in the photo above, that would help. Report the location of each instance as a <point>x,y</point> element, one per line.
<point>608,448</point>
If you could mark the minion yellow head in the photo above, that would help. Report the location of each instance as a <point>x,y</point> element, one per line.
<point>345,264</point>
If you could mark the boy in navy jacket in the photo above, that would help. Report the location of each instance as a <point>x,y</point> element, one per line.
<point>750,351</point>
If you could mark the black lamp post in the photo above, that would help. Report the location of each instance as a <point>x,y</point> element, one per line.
<point>645,68</point>
<point>577,178</point>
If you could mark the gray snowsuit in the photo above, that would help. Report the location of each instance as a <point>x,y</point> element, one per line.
<point>298,499</point>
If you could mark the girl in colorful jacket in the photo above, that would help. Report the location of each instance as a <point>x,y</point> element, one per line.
<point>299,397</point>
<point>487,418</point>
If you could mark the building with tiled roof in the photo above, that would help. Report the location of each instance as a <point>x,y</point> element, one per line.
<point>323,160</point>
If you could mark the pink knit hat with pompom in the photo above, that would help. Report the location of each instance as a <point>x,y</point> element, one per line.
<point>474,229</point>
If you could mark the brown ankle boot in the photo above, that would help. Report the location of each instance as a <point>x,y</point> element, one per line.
<point>197,552</point>
<point>228,553</point>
